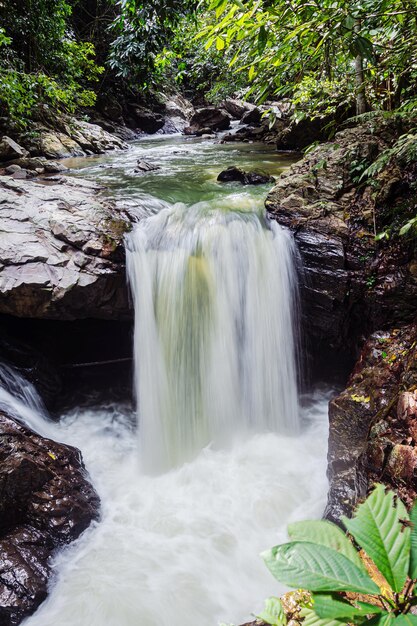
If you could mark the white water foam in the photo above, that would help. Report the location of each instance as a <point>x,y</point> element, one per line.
<point>183,548</point>
<point>214,345</point>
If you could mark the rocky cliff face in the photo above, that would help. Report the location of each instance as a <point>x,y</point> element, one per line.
<point>61,251</point>
<point>46,502</point>
<point>373,423</point>
<point>352,285</point>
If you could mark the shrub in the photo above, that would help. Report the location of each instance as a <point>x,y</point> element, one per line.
<point>322,559</point>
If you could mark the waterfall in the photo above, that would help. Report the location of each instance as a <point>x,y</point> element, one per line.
<point>19,398</point>
<point>214,346</point>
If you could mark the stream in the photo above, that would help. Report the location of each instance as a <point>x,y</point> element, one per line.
<point>223,452</point>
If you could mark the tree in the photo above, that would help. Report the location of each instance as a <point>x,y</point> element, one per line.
<point>367,48</point>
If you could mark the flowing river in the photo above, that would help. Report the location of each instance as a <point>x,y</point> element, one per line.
<point>222,451</point>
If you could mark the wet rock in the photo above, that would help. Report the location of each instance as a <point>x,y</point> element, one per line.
<point>46,502</point>
<point>32,163</point>
<point>373,434</point>
<point>144,166</point>
<point>145,119</point>
<point>208,118</point>
<point>53,167</point>
<point>45,231</point>
<point>237,108</point>
<point>252,116</point>
<point>12,169</point>
<point>402,463</point>
<point>22,174</point>
<point>235,174</point>
<point>352,285</point>
<point>10,149</point>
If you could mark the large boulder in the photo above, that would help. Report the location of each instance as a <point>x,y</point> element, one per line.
<point>46,502</point>
<point>373,423</point>
<point>10,150</point>
<point>68,137</point>
<point>145,119</point>
<point>208,118</point>
<point>61,250</point>
<point>237,108</point>
<point>252,116</point>
<point>351,284</point>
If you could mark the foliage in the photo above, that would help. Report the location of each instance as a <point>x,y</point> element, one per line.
<point>322,559</point>
<point>273,613</point>
<point>41,64</point>
<point>141,31</point>
<point>311,46</point>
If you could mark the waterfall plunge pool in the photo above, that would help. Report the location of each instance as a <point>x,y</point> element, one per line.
<point>181,546</point>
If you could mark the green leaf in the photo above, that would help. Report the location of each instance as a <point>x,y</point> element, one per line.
<point>377,528</point>
<point>273,613</point>
<point>406,620</point>
<point>262,39</point>
<point>327,534</point>
<point>317,568</point>
<point>413,535</point>
<point>312,619</point>
<point>219,43</point>
<point>328,607</point>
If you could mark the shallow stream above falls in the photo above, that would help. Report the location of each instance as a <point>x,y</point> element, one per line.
<point>178,542</point>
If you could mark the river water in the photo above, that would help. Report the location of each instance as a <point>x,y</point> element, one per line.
<point>222,452</point>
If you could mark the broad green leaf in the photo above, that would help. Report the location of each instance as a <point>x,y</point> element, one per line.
<point>325,534</point>
<point>406,620</point>
<point>273,613</point>
<point>377,528</point>
<point>328,607</point>
<point>413,535</point>
<point>312,619</point>
<point>317,568</point>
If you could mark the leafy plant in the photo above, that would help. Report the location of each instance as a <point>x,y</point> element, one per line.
<point>273,613</point>
<point>345,586</point>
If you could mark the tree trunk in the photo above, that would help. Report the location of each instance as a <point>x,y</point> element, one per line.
<point>359,79</point>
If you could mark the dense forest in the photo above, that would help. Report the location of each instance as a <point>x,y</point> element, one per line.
<point>323,55</point>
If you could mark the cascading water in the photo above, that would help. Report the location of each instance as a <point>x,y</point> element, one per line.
<point>213,292</point>
<point>214,295</point>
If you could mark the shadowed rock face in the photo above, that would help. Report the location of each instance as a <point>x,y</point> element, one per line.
<point>46,502</point>
<point>373,423</point>
<point>61,251</point>
<point>351,285</point>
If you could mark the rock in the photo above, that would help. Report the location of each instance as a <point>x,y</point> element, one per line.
<point>402,463</point>
<point>147,120</point>
<point>144,166</point>
<point>246,178</point>
<point>11,169</point>
<point>209,118</point>
<point>352,285</point>
<point>371,438</point>
<point>299,135</point>
<point>55,145</point>
<point>32,163</point>
<point>176,106</point>
<point>46,502</point>
<point>237,108</point>
<point>69,137</point>
<point>9,149</point>
<point>407,405</point>
<point>62,253</point>
<point>21,174</point>
<point>252,116</point>
<point>53,167</point>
